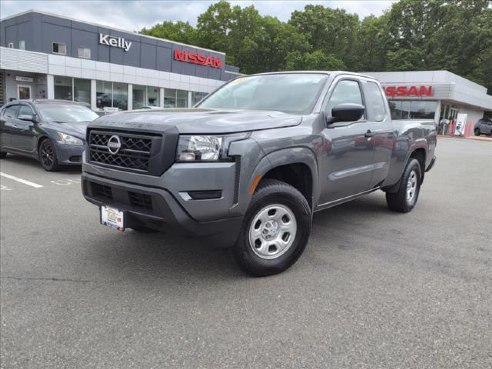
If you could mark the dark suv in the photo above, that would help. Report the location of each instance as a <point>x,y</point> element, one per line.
<point>52,131</point>
<point>483,127</point>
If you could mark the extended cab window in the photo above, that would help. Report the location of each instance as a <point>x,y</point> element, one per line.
<point>375,102</point>
<point>346,91</point>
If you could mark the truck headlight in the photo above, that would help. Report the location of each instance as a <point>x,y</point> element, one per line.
<point>205,148</point>
<point>63,138</point>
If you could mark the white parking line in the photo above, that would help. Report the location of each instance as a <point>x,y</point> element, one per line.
<point>32,184</point>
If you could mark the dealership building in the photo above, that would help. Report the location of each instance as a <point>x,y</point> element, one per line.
<point>44,56</point>
<point>439,95</point>
<point>48,56</point>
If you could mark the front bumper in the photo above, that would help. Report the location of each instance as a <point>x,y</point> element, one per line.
<point>69,154</point>
<point>157,208</point>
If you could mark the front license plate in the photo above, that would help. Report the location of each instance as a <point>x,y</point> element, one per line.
<point>113,218</point>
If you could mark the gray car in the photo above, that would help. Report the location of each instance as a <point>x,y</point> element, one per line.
<point>483,127</point>
<point>51,131</point>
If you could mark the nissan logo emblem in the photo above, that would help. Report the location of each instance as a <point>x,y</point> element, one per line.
<point>114,144</point>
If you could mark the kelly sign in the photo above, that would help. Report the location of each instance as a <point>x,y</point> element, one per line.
<point>197,58</point>
<point>119,42</point>
<point>407,91</point>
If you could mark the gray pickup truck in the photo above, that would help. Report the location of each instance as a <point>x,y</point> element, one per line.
<point>250,164</point>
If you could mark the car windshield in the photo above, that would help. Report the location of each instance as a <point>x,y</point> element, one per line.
<point>286,92</point>
<point>66,113</point>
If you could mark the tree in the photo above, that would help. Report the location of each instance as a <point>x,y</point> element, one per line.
<point>174,31</point>
<point>331,30</point>
<point>214,26</point>
<point>317,60</point>
<point>373,43</point>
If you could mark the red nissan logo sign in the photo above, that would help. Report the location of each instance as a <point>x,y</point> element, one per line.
<point>197,58</point>
<point>406,91</point>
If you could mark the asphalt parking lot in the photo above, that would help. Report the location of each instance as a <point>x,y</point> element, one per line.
<point>374,289</point>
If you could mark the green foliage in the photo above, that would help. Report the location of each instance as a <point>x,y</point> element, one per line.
<point>174,31</point>
<point>317,60</point>
<point>454,35</point>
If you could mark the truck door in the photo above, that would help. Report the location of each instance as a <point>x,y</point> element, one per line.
<point>347,164</point>
<point>382,136</point>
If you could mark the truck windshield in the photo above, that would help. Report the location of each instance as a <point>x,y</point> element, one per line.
<point>294,93</point>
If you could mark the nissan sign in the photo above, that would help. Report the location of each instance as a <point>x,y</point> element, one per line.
<point>197,58</point>
<point>408,91</point>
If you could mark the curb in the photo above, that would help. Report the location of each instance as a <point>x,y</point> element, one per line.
<point>476,138</point>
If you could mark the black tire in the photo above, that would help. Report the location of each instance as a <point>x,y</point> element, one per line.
<point>399,201</point>
<point>273,194</point>
<point>477,132</point>
<point>47,156</point>
<point>3,155</point>
<point>143,229</point>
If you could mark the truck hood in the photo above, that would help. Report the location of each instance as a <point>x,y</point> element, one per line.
<point>189,121</point>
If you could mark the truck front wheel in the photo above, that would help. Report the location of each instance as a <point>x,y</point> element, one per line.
<point>275,231</point>
<point>406,197</point>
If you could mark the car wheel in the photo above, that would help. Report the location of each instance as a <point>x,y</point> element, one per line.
<point>477,132</point>
<point>405,198</point>
<point>47,155</point>
<point>275,230</point>
<point>3,155</point>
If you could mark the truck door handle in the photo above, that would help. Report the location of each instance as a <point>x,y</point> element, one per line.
<point>369,133</point>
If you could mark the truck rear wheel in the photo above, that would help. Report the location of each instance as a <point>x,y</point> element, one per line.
<point>275,231</point>
<point>405,198</point>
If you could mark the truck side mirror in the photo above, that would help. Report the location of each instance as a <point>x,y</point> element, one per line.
<point>346,112</point>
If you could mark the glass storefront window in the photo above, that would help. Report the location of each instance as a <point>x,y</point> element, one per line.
<point>63,88</point>
<point>153,96</point>
<point>412,109</point>
<point>423,109</point>
<point>82,90</point>
<point>120,96</point>
<point>196,97</point>
<point>138,96</point>
<point>169,98</point>
<point>111,95</point>
<point>73,89</point>
<point>104,94</point>
<point>182,99</point>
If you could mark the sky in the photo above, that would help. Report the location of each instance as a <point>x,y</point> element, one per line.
<point>133,15</point>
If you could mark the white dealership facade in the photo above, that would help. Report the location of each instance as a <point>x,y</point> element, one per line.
<point>440,95</point>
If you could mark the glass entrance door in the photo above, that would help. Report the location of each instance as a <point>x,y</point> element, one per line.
<point>23,92</point>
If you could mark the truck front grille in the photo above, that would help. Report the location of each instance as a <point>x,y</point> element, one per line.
<point>122,149</point>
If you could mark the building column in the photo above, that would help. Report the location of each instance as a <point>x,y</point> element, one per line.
<point>130,96</point>
<point>161,97</point>
<point>50,82</point>
<point>93,94</point>
<point>190,99</point>
<point>437,113</point>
